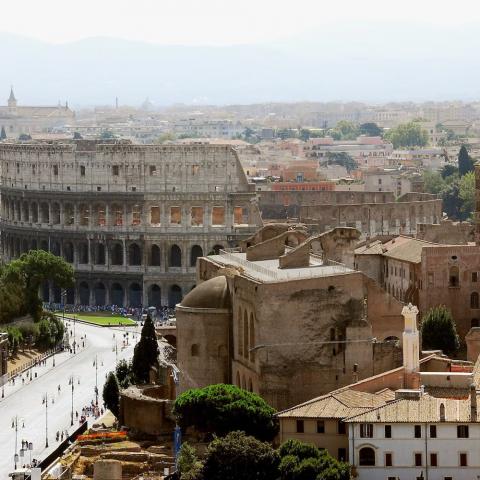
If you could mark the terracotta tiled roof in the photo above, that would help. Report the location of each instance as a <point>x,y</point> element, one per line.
<point>425,409</point>
<point>409,250</point>
<point>337,404</point>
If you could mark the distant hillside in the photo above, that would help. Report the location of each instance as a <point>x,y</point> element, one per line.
<point>372,62</point>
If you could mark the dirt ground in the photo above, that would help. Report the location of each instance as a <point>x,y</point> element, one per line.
<point>21,358</point>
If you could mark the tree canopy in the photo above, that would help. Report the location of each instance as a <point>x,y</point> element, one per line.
<point>465,162</point>
<point>344,130</point>
<point>239,457</point>
<point>219,409</point>
<point>145,355</point>
<point>439,331</point>
<point>31,270</point>
<point>111,394</point>
<point>370,129</point>
<point>407,135</point>
<point>3,134</point>
<point>343,159</point>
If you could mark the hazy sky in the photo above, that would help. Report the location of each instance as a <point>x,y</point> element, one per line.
<point>214,22</point>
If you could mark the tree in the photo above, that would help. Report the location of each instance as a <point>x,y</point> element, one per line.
<point>433,182</point>
<point>407,135</point>
<point>189,466</point>
<point>3,134</point>
<point>370,129</point>
<point>439,331</point>
<point>467,194</point>
<point>449,170</point>
<point>165,137</point>
<point>124,374</point>
<point>31,270</point>
<point>240,457</point>
<point>111,394</point>
<point>15,338</point>
<point>77,136</point>
<point>303,461</point>
<point>146,352</point>
<point>23,137</point>
<point>344,130</point>
<point>107,135</point>
<point>219,409</point>
<point>452,202</point>
<point>465,162</point>
<point>343,159</point>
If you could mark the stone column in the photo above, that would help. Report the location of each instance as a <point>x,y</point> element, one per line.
<point>411,346</point>
<point>124,253</point>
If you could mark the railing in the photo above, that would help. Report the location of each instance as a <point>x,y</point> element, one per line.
<point>33,362</point>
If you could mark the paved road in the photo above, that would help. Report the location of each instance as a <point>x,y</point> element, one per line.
<point>25,400</point>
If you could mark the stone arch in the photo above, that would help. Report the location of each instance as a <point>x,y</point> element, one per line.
<point>117,254</point>
<point>245,334</point>
<point>154,296</point>
<point>100,294</point>
<point>134,255</point>
<point>117,215</point>
<point>216,249</point>
<point>68,214</point>
<point>135,295</point>
<point>117,294</point>
<point>155,256</point>
<point>55,248</point>
<point>25,246</point>
<point>99,254</point>
<point>44,213</point>
<point>238,380</point>
<point>174,295</point>
<point>84,215</point>
<point>366,457</point>
<point>175,256</point>
<point>84,293</point>
<point>44,245</point>
<point>195,253</point>
<point>56,217</point>
<point>34,212</point>
<point>240,332</point>
<point>26,212</point>
<point>251,339</point>
<point>244,382</point>
<point>57,294</point>
<point>83,257</point>
<point>250,385</point>
<point>68,252</point>
<point>454,276</point>
<point>70,296</point>
<point>34,244</point>
<point>100,215</point>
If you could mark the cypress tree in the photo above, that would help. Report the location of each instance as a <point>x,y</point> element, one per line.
<point>3,134</point>
<point>146,352</point>
<point>465,163</point>
<point>111,394</point>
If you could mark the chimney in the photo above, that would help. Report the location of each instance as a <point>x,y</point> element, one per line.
<point>473,403</point>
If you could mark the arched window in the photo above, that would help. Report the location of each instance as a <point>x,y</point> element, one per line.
<point>68,214</point>
<point>134,255</point>
<point>442,412</point>
<point>68,252</point>
<point>56,214</point>
<point>84,292</point>
<point>99,294</point>
<point>454,277</point>
<point>250,385</point>
<point>135,295</point>
<point>155,296</point>
<point>155,256</point>
<point>174,296</point>
<point>83,253</point>
<point>55,248</point>
<point>175,256</point>
<point>474,300</point>
<point>116,297</point>
<point>194,254</point>
<point>194,350</point>
<point>117,254</point>
<point>44,213</point>
<point>99,254</point>
<point>366,457</point>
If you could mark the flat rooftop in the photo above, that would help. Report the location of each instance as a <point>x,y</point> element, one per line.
<point>268,271</point>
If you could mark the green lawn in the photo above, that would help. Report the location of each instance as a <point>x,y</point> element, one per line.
<point>99,319</point>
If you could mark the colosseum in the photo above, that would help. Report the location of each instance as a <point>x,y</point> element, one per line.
<point>131,219</point>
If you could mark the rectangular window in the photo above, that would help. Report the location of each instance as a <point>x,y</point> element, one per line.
<point>462,431</point>
<point>196,216</point>
<point>418,459</point>
<point>300,426</point>
<point>447,478</point>
<point>366,430</point>
<point>33,170</point>
<point>433,431</point>
<point>463,460</point>
<point>195,169</point>
<point>433,460</point>
<point>55,170</point>
<point>388,431</point>
<point>115,170</point>
<point>238,215</point>
<point>175,215</point>
<point>218,216</point>
<point>153,170</point>
<point>82,171</point>
<point>474,277</point>
<point>155,215</point>
<point>342,454</point>
<point>320,426</point>
<point>430,278</point>
<point>388,460</point>
<point>342,428</point>
<point>136,215</point>
<point>418,431</point>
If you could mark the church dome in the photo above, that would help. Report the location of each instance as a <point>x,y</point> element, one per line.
<point>212,294</point>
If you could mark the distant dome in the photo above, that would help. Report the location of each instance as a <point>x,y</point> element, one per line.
<point>210,294</point>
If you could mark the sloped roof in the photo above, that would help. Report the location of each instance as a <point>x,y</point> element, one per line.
<point>337,404</point>
<point>406,250</point>
<point>424,409</point>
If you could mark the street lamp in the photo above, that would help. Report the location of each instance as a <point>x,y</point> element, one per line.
<point>95,364</point>
<point>29,447</point>
<point>45,401</point>
<point>71,382</point>
<point>15,421</point>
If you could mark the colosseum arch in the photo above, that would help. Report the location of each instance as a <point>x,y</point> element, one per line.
<point>195,253</point>
<point>99,215</point>
<point>100,294</point>
<point>135,295</point>
<point>174,295</point>
<point>68,252</point>
<point>69,214</point>
<point>84,215</point>
<point>134,255</point>
<point>84,293</point>
<point>117,215</point>
<point>34,244</point>
<point>154,296</point>
<point>44,213</point>
<point>155,256</point>
<point>44,245</point>
<point>70,296</point>
<point>25,212</point>
<point>175,256</point>
<point>34,210</point>
<point>116,254</point>
<point>83,256</point>
<point>56,220</point>
<point>117,295</point>
<point>55,248</point>
<point>25,248</point>
<point>99,257</point>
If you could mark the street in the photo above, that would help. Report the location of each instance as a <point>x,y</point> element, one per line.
<point>25,400</point>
